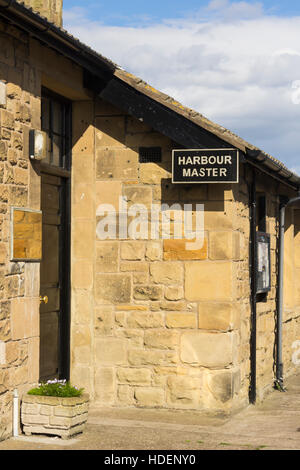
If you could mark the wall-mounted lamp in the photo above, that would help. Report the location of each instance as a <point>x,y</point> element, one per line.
<point>37,145</point>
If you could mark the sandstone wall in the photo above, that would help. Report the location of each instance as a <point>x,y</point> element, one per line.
<point>50,9</point>
<point>154,324</point>
<point>19,186</point>
<point>25,66</point>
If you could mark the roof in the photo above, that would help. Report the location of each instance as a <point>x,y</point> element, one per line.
<point>107,72</point>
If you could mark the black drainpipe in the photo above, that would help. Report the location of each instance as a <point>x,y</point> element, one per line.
<point>252,203</point>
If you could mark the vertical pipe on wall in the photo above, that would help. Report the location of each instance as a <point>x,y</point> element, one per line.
<point>16,413</point>
<point>252,201</point>
<point>279,363</point>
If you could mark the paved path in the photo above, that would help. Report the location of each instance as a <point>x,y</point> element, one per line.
<point>273,425</point>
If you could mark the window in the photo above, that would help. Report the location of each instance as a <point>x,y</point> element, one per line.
<point>150,154</point>
<point>56,122</point>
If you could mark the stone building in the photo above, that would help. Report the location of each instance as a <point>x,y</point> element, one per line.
<point>138,321</point>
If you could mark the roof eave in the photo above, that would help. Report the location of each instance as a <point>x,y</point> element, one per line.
<point>60,40</point>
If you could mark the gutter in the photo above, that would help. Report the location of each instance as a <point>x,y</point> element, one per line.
<point>273,168</point>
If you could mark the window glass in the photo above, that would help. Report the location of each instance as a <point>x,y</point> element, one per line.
<point>56,122</point>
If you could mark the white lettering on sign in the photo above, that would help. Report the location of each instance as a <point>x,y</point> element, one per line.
<point>206,160</point>
<point>203,172</point>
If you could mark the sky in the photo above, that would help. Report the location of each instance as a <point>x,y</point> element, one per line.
<point>235,62</point>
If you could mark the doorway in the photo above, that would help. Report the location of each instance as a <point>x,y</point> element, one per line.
<point>55,264</point>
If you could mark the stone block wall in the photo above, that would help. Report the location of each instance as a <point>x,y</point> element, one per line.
<point>25,66</point>
<point>50,9</point>
<point>154,324</point>
<point>19,187</point>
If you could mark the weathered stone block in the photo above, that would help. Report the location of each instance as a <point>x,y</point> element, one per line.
<point>153,251</point>
<point>107,256</point>
<point>209,280</point>
<point>132,250</point>
<point>83,234</point>
<point>149,396</point>
<point>218,214</point>
<point>161,339</point>
<point>138,195</point>
<point>81,344</point>
<point>104,320</point>
<point>134,266</point>
<point>145,320</point>
<point>110,351</point>
<point>134,376</point>
<point>179,250</point>
<point>108,192</point>
<point>82,274</point>
<point>183,392</point>
<point>208,349</point>
<point>7,119</point>
<point>83,200</point>
<point>82,307</point>
<point>152,173</point>
<point>105,385</point>
<point>181,320</point>
<point>110,131</point>
<point>224,384</point>
<point>121,164</point>
<point>166,272</point>
<point>222,316</point>
<point>51,9</point>
<point>174,292</point>
<point>138,357</point>
<point>224,245</point>
<point>147,292</point>
<point>126,395</point>
<point>112,288</point>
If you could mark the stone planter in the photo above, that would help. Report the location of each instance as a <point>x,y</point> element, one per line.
<point>57,416</point>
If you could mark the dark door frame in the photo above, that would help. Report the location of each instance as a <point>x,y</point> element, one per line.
<point>64,237</point>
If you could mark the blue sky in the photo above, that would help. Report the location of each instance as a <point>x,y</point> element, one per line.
<point>120,12</point>
<point>237,62</point>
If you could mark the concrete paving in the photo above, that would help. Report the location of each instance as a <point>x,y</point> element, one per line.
<point>272,425</point>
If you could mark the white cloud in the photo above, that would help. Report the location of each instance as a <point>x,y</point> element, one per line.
<point>232,62</point>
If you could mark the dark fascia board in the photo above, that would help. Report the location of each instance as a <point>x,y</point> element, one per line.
<point>159,117</point>
<point>183,131</point>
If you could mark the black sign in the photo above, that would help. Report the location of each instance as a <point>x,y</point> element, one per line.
<point>205,166</point>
